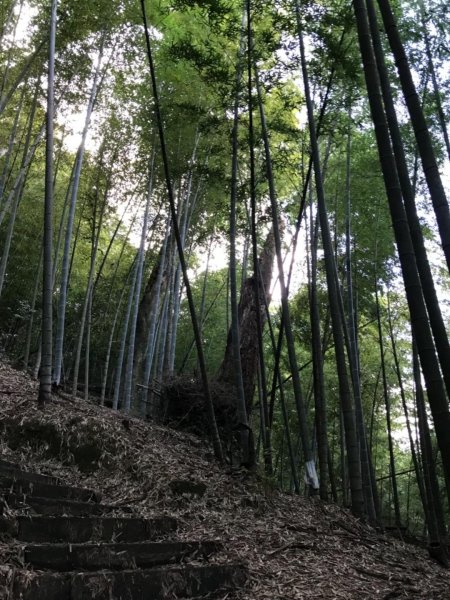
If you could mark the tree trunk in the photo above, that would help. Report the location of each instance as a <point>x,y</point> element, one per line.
<point>234,338</point>
<point>123,339</point>
<point>429,291</point>
<point>148,316</point>
<point>436,92</point>
<point>437,529</point>
<point>418,121</point>
<point>430,518</point>
<point>59,341</point>
<point>318,375</point>
<point>247,326</point>
<point>215,438</point>
<point>367,472</point>
<point>11,142</point>
<point>418,314</point>
<point>9,18</point>
<point>20,77</point>
<point>95,238</point>
<point>18,182</point>
<point>111,340</point>
<point>258,281</point>
<point>128,388</point>
<point>185,213</point>
<point>45,380</point>
<point>13,43</point>
<point>351,436</point>
<point>26,356</point>
<point>387,403</point>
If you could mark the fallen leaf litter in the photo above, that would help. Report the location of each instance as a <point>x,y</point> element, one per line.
<point>294,548</point>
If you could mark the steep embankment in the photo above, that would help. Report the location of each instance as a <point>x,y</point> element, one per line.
<point>294,548</point>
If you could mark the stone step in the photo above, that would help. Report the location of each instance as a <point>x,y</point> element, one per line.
<point>14,484</point>
<point>77,530</point>
<point>15,471</point>
<point>56,507</point>
<point>150,584</point>
<point>93,557</point>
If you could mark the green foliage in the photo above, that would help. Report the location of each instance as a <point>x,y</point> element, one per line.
<point>214,327</point>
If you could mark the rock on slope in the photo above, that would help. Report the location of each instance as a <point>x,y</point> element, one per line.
<point>294,548</point>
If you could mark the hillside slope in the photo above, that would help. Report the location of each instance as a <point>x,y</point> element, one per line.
<point>294,548</point>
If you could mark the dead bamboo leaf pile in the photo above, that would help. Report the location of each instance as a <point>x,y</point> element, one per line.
<point>294,548</point>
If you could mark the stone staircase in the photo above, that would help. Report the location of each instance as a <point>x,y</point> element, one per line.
<point>73,547</point>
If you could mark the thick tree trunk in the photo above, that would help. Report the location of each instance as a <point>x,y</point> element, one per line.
<point>148,315</point>
<point>247,326</point>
